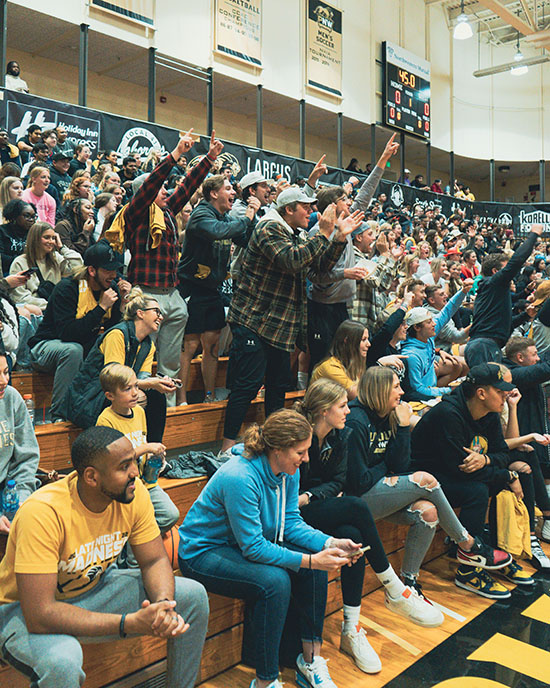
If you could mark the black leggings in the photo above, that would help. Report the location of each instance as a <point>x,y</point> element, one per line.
<point>155,413</point>
<point>349,517</point>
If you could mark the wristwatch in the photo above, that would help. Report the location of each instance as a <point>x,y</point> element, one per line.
<point>309,496</point>
<point>513,476</point>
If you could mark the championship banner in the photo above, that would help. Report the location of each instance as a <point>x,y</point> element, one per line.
<point>139,10</point>
<point>324,47</point>
<point>238,30</point>
<point>101,131</point>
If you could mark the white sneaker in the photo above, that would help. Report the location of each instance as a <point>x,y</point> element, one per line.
<point>538,557</point>
<point>545,530</point>
<point>413,607</point>
<point>274,684</point>
<point>357,646</point>
<point>314,675</point>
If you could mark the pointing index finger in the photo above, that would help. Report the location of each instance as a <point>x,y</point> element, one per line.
<point>322,159</point>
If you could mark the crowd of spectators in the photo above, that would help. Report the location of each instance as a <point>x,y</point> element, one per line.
<point>431,332</point>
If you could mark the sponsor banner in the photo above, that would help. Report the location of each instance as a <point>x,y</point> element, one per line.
<point>324,47</point>
<point>238,30</point>
<point>102,131</point>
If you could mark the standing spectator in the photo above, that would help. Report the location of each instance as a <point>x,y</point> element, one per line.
<point>26,143</point>
<point>469,267</point>
<point>77,226</point>
<point>13,78</point>
<point>271,290</point>
<point>8,152</point>
<point>49,137</point>
<point>81,160</point>
<point>39,155</point>
<point>406,177</point>
<point>127,174</point>
<point>19,217</point>
<point>63,144</point>
<point>202,270</point>
<point>35,193</point>
<point>78,307</point>
<point>436,186</point>
<point>10,188</point>
<point>354,166</point>
<point>419,183</point>
<point>150,234</point>
<point>43,250</point>
<point>492,321</point>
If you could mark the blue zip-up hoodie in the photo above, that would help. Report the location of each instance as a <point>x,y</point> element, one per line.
<point>421,356</point>
<point>245,504</point>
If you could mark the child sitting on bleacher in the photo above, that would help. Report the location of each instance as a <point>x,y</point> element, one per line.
<point>119,382</point>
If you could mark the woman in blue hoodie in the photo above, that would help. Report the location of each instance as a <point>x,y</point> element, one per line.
<point>244,537</point>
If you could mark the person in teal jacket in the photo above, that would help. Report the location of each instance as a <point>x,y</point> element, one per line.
<point>244,537</point>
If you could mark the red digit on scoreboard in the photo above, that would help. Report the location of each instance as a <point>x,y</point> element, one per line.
<point>427,126</point>
<point>392,112</point>
<point>427,109</point>
<point>398,97</point>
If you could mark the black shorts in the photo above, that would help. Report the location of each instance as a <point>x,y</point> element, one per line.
<point>206,311</point>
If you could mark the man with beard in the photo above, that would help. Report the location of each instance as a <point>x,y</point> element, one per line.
<point>13,79</point>
<point>77,308</point>
<point>58,585</point>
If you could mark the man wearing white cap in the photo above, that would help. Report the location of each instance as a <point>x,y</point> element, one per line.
<point>422,329</point>
<point>268,314</point>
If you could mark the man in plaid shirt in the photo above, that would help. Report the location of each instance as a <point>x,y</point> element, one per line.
<point>268,313</point>
<point>155,257</point>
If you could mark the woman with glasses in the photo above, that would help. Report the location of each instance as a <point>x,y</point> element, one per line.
<point>19,217</point>
<point>129,343</point>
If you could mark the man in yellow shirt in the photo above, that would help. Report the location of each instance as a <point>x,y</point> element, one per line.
<point>58,585</point>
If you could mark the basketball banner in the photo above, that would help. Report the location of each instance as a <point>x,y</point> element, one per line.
<point>238,30</point>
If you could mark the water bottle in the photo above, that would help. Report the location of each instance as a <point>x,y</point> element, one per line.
<point>29,403</point>
<point>10,500</point>
<point>151,469</point>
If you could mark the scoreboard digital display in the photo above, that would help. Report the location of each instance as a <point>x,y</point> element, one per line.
<point>406,91</point>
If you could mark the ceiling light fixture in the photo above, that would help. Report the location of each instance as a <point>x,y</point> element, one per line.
<point>522,69</point>
<point>463,29</point>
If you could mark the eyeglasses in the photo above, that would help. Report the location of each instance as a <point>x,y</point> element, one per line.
<point>157,310</point>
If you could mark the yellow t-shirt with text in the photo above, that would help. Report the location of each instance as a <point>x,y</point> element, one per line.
<point>53,532</point>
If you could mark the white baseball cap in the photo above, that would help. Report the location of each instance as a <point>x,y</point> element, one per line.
<point>293,195</point>
<point>251,178</point>
<point>417,315</point>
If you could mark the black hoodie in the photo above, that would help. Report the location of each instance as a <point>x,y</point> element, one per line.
<point>439,437</point>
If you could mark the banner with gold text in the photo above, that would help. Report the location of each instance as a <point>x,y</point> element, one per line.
<point>238,30</point>
<point>324,47</point>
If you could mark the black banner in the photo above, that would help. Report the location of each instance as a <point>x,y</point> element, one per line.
<point>102,131</point>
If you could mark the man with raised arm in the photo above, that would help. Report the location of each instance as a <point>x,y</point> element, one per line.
<point>58,584</point>
<point>149,226</point>
<point>268,312</point>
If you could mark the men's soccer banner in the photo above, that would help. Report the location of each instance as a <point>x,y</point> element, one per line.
<point>238,30</point>
<point>324,47</point>
<point>101,131</point>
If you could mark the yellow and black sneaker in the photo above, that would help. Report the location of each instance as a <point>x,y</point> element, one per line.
<point>516,574</point>
<point>478,581</point>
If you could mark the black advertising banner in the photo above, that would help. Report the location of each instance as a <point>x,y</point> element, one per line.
<point>102,131</point>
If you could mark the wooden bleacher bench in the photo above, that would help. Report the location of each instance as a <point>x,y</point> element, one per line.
<point>40,384</point>
<point>105,663</point>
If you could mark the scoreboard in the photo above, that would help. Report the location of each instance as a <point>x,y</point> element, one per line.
<point>406,91</point>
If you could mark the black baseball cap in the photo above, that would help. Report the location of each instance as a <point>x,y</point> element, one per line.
<point>101,255</point>
<point>61,156</point>
<point>490,375</point>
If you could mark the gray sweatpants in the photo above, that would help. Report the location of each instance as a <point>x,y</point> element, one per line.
<point>52,661</point>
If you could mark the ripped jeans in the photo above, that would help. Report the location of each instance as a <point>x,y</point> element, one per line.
<point>399,499</point>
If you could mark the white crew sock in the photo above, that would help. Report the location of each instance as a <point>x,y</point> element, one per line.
<point>351,618</point>
<point>391,581</point>
<point>302,380</point>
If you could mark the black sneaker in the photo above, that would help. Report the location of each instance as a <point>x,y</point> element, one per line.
<point>483,556</point>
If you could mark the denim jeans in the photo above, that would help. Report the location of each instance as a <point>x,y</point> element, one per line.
<point>391,498</point>
<point>224,571</point>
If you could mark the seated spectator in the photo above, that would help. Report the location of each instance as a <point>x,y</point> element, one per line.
<point>153,158</point>
<point>419,183</point>
<point>322,481</point>
<point>78,307</point>
<point>8,152</point>
<point>379,471</point>
<point>127,174</point>
<point>80,187</point>
<point>77,226</point>
<point>27,142</point>
<point>419,347</point>
<point>81,159</point>
<point>13,78</point>
<point>53,260</point>
<point>52,603</point>
<point>118,192</point>
<point>59,177</point>
<point>354,166</point>
<point>460,441</point>
<point>202,269</point>
<point>110,178</point>
<point>19,217</point>
<point>10,189</point>
<point>449,334</point>
<point>40,154</point>
<point>437,274</point>
<point>242,540</point>
<point>106,207</point>
<point>19,453</point>
<point>120,385</point>
<point>436,186</point>
<point>36,194</point>
<point>49,137</point>
<point>424,254</point>
<point>409,266</point>
<point>128,343</point>
<point>9,330</point>
<point>469,268</point>
<point>390,331</point>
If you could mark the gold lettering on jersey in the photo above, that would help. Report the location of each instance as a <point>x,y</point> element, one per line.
<point>379,441</point>
<point>7,437</point>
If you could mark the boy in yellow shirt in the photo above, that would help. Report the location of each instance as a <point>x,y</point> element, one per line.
<point>119,382</point>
